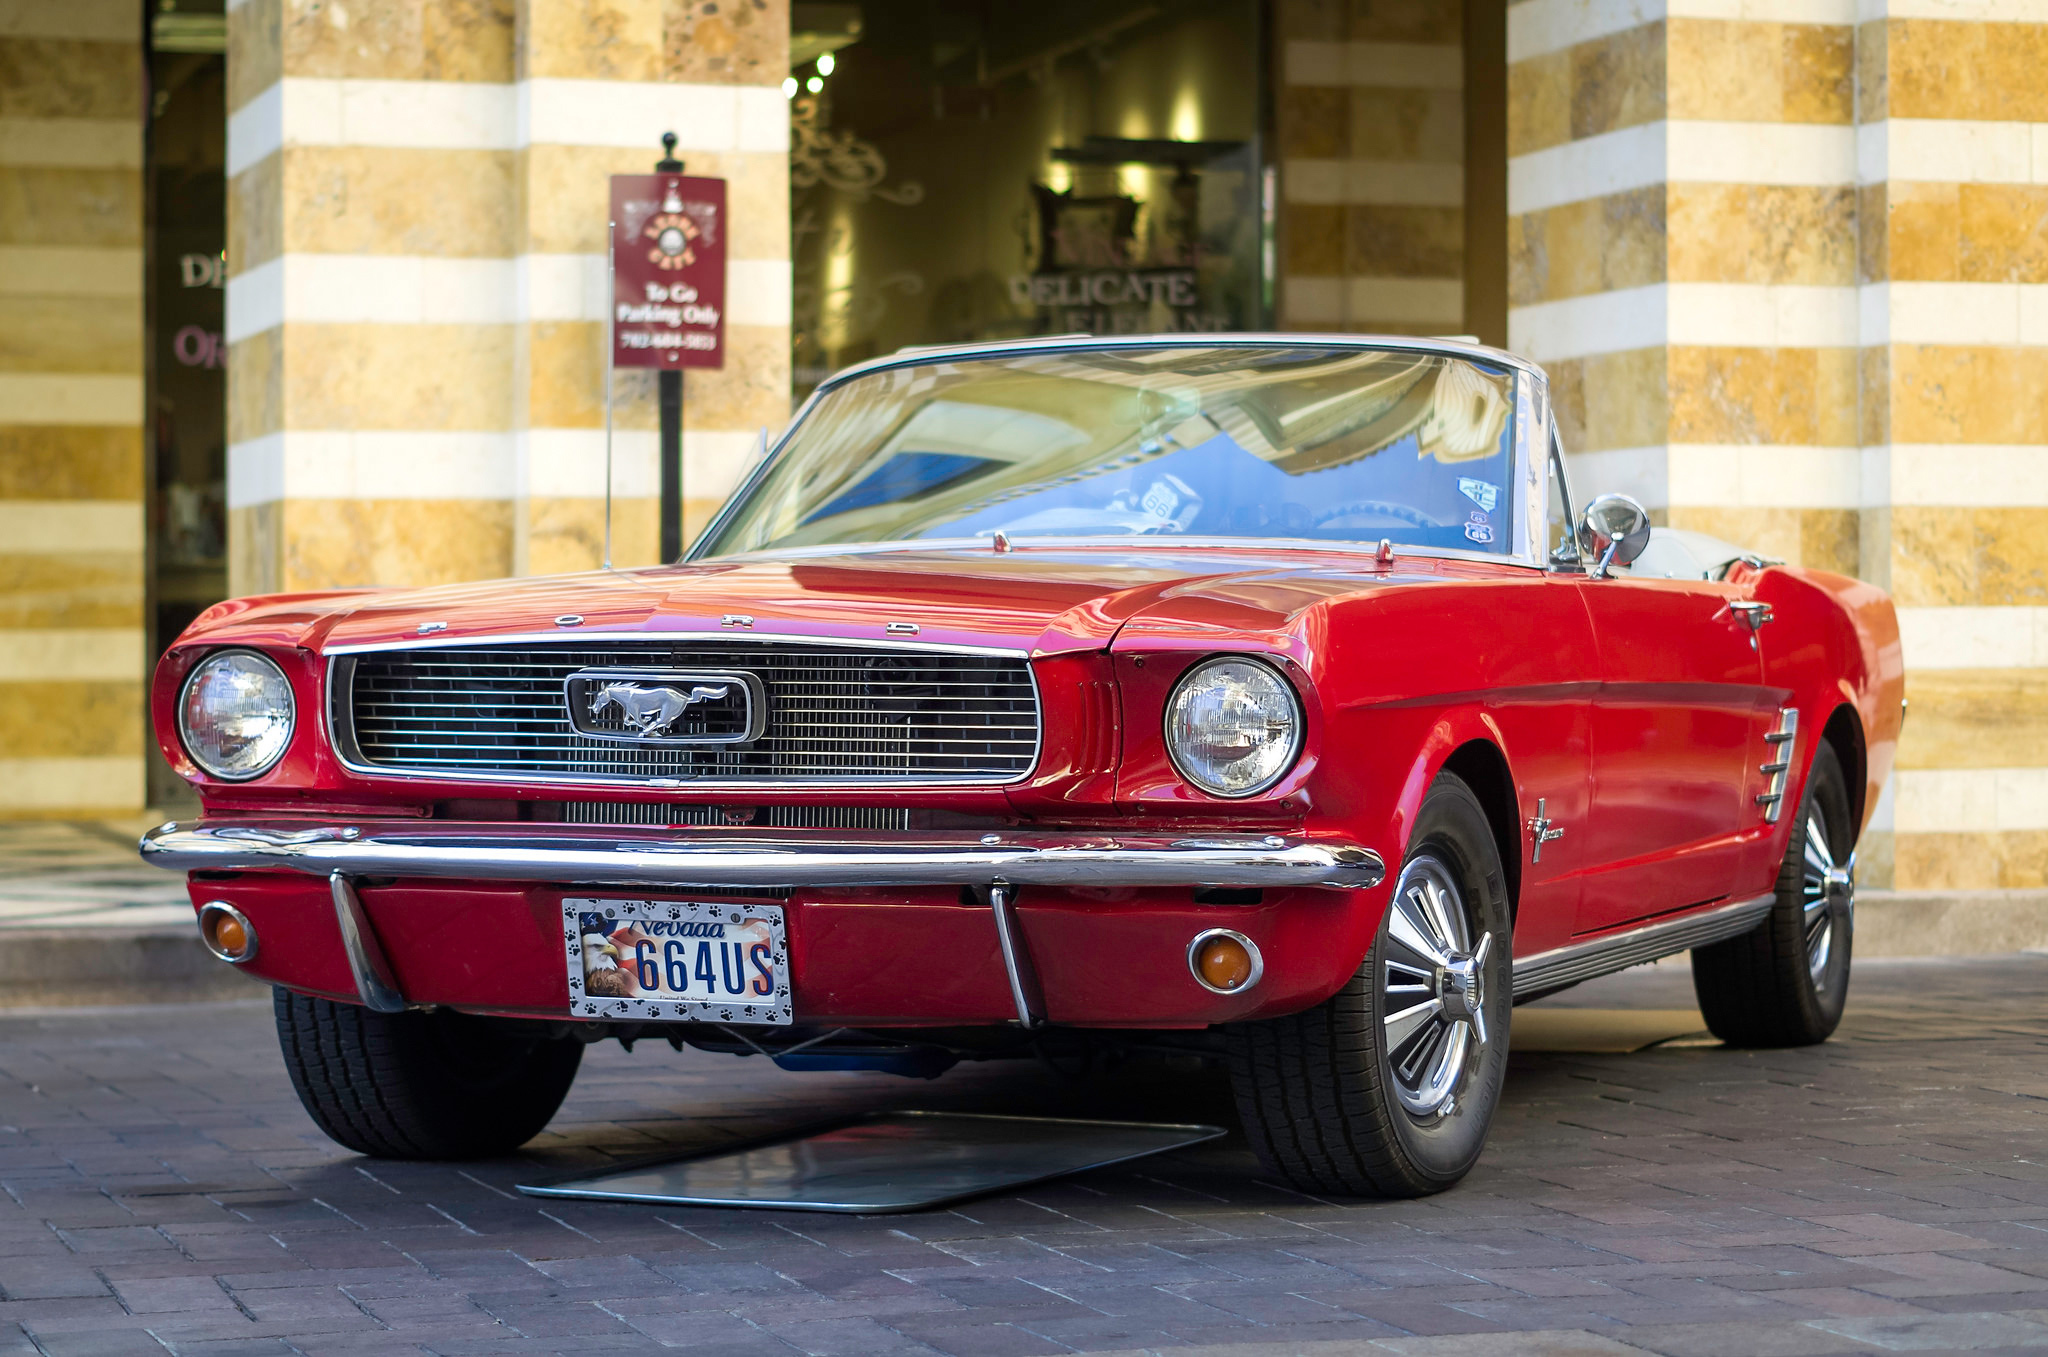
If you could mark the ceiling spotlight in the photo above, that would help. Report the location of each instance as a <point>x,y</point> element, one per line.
<point>826,63</point>
<point>814,84</point>
<point>789,87</point>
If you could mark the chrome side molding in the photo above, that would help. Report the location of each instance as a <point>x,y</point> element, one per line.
<point>629,856</point>
<point>1578,961</point>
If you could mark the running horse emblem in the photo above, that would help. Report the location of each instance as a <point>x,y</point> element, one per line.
<point>650,711</point>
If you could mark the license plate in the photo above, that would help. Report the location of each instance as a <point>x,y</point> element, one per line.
<point>710,961</point>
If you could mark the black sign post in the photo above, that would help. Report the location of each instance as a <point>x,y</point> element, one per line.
<point>670,392</point>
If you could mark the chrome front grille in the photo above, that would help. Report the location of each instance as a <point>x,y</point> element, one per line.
<point>835,714</point>
<point>772,817</point>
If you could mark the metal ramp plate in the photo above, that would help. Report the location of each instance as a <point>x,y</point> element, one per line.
<point>883,1162</point>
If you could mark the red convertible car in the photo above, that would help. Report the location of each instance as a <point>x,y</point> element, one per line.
<point>1265,696</point>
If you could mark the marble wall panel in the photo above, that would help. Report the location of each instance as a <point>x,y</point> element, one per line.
<point>332,543</point>
<point>1393,241</point>
<point>1539,102</point>
<point>256,399</point>
<point>1593,245</point>
<point>1749,71</point>
<point>58,78</point>
<point>85,588</point>
<point>399,377</point>
<point>255,49</point>
<point>70,207</point>
<point>1977,718</point>
<point>1612,400</point>
<point>398,39</point>
<point>1970,557</point>
<point>1314,121</point>
<point>1418,21</point>
<point>72,461</point>
<point>1990,860</point>
<point>70,334</point>
<point>1731,395</point>
<point>389,200</point>
<point>1407,124</point>
<point>1943,68</point>
<point>256,549</point>
<point>1967,394</point>
<point>256,213</point>
<point>591,40</point>
<point>1762,233</point>
<point>1313,239</point>
<point>564,534</point>
<point>71,719</point>
<point>743,42</point>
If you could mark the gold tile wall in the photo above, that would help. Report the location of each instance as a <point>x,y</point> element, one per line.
<point>71,470</point>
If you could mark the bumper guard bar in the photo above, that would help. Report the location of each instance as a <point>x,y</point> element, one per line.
<point>628,856</point>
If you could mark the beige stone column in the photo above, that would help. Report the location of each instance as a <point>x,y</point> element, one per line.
<point>71,408</point>
<point>597,86</point>
<point>1953,154</point>
<point>369,323</point>
<point>1370,112</point>
<point>1682,258</point>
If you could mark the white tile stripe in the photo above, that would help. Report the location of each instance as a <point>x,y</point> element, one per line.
<point>1974,638</point>
<point>1957,475</point>
<point>47,527</point>
<point>1396,183</point>
<point>417,290</point>
<point>1739,315</point>
<point>1813,154</point>
<point>1971,800</point>
<point>1753,315</point>
<point>90,653</point>
<point>1952,151</point>
<point>1377,65</point>
<point>60,398</point>
<point>1541,26</point>
<point>1976,11</point>
<point>474,116</point>
<point>345,465</point>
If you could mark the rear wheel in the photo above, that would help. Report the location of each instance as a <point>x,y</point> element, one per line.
<point>1785,982</point>
<point>1387,1088</point>
<point>439,1085</point>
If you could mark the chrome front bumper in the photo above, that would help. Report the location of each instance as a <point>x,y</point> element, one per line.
<point>639,857</point>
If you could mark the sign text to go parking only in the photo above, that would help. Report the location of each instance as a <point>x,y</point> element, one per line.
<point>668,253</point>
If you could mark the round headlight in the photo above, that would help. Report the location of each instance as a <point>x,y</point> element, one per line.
<point>235,715</point>
<point>1233,727</point>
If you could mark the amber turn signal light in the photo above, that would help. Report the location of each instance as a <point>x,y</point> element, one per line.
<point>227,932</point>
<point>1225,962</point>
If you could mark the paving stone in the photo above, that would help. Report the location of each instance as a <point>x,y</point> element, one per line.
<point>1876,1193</point>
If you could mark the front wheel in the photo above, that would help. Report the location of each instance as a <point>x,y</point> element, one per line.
<point>1387,1088</point>
<point>439,1085</point>
<point>1785,982</point>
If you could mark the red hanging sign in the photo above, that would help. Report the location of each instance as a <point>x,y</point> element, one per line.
<point>668,251</point>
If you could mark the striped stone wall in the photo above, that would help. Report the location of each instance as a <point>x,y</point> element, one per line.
<point>71,408</point>
<point>1370,121</point>
<point>416,288</point>
<point>1682,257</point>
<point>1952,153</point>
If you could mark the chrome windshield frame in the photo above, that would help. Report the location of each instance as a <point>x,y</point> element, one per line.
<point>1529,471</point>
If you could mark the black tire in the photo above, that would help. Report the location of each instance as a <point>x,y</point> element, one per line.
<point>438,1085</point>
<point>1785,982</point>
<point>1318,1091</point>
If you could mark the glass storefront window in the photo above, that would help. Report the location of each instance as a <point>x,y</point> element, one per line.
<point>964,171</point>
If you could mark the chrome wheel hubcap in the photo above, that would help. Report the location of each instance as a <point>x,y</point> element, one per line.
<point>1433,980</point>
<point>1828,893</point>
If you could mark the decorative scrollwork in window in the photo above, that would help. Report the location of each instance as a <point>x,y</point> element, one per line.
<point>840,160</point>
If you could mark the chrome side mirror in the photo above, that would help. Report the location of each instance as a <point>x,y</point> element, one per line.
<point>1613,531</point>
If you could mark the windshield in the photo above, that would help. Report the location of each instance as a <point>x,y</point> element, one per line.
<point>1325,443</point>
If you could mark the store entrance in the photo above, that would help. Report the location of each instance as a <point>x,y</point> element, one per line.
<point>187,264</point>
<point>965,170</point>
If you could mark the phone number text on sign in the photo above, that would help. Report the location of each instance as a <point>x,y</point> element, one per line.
<point>668,252</point>
<point>677,960</point>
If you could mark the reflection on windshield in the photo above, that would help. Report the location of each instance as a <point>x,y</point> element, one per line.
<point>1279,441</point>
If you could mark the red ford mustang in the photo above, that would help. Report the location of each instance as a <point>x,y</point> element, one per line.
<point>1261,695</point>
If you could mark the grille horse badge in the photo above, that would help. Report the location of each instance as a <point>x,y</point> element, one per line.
<point>666,706</point>
<point>651,710</point>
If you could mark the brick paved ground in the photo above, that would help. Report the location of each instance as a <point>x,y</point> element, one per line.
<point>1886,1192</point>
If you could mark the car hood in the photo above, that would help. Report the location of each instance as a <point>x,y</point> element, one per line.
<point>1037,600</point>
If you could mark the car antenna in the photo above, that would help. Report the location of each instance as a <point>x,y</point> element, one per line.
<point>611,292</point>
